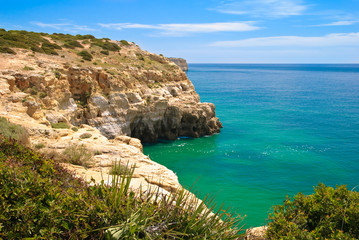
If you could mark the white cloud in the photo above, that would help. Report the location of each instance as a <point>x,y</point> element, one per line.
<point>333,40</point>
<point>177,29</point>
<point>338,23</point>
<point>65,27</point>
<point>260,8</point>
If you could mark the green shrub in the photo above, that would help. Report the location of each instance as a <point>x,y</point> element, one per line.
<point>42,94</point>
<point>57,74</point>
<point>105,45</point>
<point>85,55</point>
<point>49,51</point>
<point>60,125</point>
<point>105,52</point>
<point>124,42</point>
<point>13,131</point>
<point>51,45</point>
<point>85,135</point>
<point>72,44</point>
<point>75,129</point>
<point>327,214</point>
<point>27,68</point>
<point>7,50</point>
<point>78,155</point>
<point>37,49</point>
<point>39,146</point>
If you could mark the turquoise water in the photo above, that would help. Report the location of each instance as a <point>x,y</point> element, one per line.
<point>286,128</point>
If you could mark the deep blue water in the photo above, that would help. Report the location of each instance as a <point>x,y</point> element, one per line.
<point>286,129</point>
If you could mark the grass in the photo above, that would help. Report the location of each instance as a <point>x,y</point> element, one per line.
<point>85,135</point>
<point>119,169</point>
<point>13,131</point>
<point>77,155</point>
<point>60,125</point>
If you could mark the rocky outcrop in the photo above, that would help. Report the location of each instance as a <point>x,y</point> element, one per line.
<point>127,96</point>
<point>182,63</point>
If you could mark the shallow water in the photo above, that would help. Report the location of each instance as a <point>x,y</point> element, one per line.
<point>286,128</point>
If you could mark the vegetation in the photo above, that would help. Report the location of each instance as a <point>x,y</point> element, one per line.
<point>105,52</point>
<point>51,43</point>
<point>327,214</point>
<point>105,44</point>
<point>72,44</point>
<point>119,169</point>
<point>27,68</point>
<point>60,125</point>
<point>77,155</point>
<point>85,135</point>
<point>124,42</point>
<point>6,50</point>
<point>85,55</point>
<point>10,130</point>
<point>41,200</point>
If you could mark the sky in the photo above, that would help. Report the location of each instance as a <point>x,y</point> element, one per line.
<point>205,31</point>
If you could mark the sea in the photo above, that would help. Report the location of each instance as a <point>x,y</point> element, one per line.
<point>286,128</point>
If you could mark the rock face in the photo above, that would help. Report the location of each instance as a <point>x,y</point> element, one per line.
<point>127,95</point>
<point>182,63</point>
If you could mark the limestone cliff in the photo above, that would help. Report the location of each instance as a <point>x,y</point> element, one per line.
<point>182,63</point>
<point>113,95</point>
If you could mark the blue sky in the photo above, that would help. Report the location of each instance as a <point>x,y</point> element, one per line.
<point>206,31</point>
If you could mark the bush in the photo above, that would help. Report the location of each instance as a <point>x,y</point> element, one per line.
<point>85,55</point>
<point>124,42</point>
<point>7,50</point>
<point>39,146</point>
<point>72,44</point>
<point>85,135</point>
<point>78,155</point>
<point>27,68</point>
<point>13,131</point>
<point>105,52</point>
<point>60,125</point>
<point>327,214</point>
<point>105,45</point>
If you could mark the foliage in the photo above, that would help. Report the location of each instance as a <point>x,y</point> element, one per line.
<point>72,44</point>
<point>13,131</point>
<point>105,52</point>
<point>41,200</point>
<point>7,50</point>
<point>105,45</point>
<point>27,68</point>
<point>85,55</point>
<point>61,125</point>
<point>78,155</point>
<point>39,145</point>
<point>124,42</point>
<point>119,169</point>
<point>85,135</point>
<point>39,42</point>
<point>327,214</point>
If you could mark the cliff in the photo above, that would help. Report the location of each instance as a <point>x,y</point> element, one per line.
<point>112,92</point>
<point>182,63</point>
